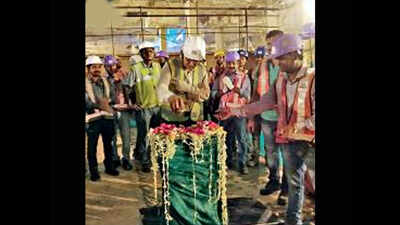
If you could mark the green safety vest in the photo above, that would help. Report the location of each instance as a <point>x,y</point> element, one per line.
<point>146,84</point>
<point>195,109</point>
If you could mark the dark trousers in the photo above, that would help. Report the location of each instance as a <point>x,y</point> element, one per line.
<point>105,127</point>
<point>236,131</point>
<point>273,151</point>
<point>114,152</point>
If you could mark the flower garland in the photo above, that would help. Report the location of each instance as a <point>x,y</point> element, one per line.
<point>162,142</point>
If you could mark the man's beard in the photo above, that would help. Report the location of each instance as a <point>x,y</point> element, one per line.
<point>95,74</point>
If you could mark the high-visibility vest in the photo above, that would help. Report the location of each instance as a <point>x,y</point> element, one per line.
<point>294,128</point>
<point>146,84</point>
<point>195,109</point>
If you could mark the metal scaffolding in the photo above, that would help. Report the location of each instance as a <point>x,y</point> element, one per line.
<point>140,14</point>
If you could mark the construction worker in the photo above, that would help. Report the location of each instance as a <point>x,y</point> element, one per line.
<point>235,89</point>
<point>110,65</point>
<point>270,37</point>
<point>143,79</point>
<point>120,104</point>
<point>274,155</point>
<point>184,84</point>
<point>254,147</point>
<point>293,95</point>
<point>265,75</point>
<point>214,74</point>
<point>162,57</point>
<point>244,56</point>
<point>100,118</point>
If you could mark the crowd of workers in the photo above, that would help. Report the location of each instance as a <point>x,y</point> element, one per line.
<point>275,97</point>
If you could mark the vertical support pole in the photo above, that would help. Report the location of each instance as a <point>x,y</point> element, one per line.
<point>197,17</point>
<point>247,32</point>
<point>163,39</point>
<point>112,40</point>
<point>141,24</point>
<point>239,30</point>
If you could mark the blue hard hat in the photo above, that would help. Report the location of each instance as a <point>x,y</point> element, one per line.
<point>232,56</point>
<point>260,51</point>
<point>243,53</point>
<point>110,60</point>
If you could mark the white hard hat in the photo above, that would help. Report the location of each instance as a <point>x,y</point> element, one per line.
<point>93,60</point>
<point>146,44</point>
<point>194,48</point>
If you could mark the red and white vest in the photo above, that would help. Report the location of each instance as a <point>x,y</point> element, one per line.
<point>232,99</point>
<point>294,128</point>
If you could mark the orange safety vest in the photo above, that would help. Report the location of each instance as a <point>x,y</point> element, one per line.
<point>294,128</point>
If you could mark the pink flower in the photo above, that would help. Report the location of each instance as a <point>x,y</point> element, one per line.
<point>195,130</point>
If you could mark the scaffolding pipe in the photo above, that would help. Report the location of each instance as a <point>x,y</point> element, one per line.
<point>141,24</point>
<point>247,32</point>
<point>239,31</point>
<point>193,15</point>
<point>130,34</point>
<point>225,27</point>
<point>197,18</point>
<point>200,8</point>
<point>112,39</point>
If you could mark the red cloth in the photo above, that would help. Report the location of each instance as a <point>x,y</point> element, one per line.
<point>263,79</point>
<point>230,96</point>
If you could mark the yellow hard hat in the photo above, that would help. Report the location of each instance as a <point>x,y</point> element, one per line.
<point>220,52</point>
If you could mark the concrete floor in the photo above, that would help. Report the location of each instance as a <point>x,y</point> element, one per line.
<point>116,200</point>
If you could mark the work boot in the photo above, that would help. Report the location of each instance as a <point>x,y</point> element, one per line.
<point>283,198</point>
<point>271,187</point>
<point>244,170</point>
<point>126,165</point>
<point>116,163</point>
<point>94,176</point>
<point>113,172</point>
<point>252,163</point>
<point>146,168</point>
<point>229,165</point>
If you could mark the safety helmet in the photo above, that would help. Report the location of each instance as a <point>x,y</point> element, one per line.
<point>194,48</point>
<point>308,31</point>
<point>232,56</point>
<point>285,44</point>
<point>146,44</point>
<point>93,60</point>
<point>243,53</point>
<point>110,60</point>
<point>260,51</point>
<point>162,54</point>
<point>219,52</point>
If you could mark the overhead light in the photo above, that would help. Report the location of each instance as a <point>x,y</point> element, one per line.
<point>309,8</point>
